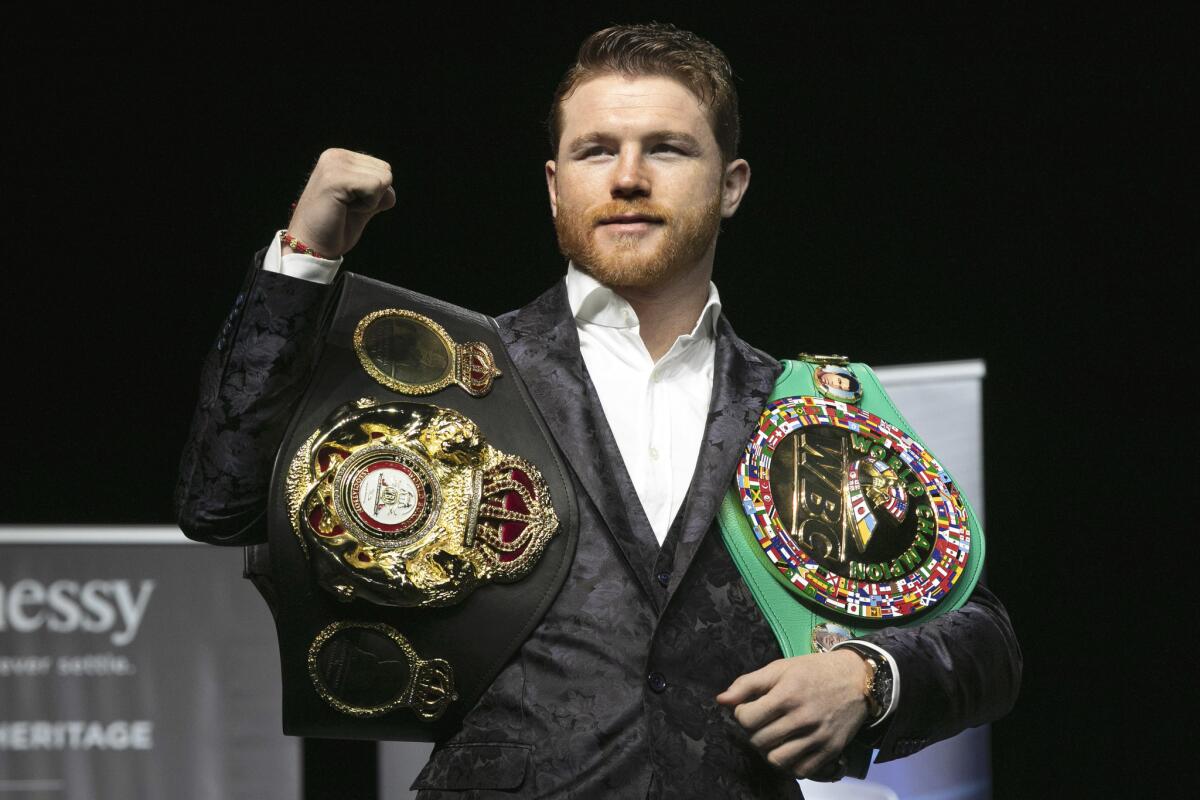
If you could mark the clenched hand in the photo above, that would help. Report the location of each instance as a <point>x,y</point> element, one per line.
<point>801,712</point>
<point>343,193</point>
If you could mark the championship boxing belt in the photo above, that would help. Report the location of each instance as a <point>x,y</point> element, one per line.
<point>840,520</point>
<point>421,520</point>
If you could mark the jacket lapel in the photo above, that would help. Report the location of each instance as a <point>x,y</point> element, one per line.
<point>742,381</point>
<point>542,341</point>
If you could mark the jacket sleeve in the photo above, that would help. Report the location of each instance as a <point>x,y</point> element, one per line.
<point>957,671</point>
<point>249,386</point>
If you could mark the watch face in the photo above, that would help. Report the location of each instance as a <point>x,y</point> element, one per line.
<point>881,688</point>
<point>857,516</point>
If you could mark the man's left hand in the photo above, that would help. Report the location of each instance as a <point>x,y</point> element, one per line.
<point>801,712</point>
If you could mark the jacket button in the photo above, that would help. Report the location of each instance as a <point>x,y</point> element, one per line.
<point>657,682</point>
<point>664,578</point>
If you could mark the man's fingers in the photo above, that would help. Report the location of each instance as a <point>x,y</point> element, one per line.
<point>387,201</point>
<point>790,754</point>
<point>800,712</point>
<point>785,727</point>
<point>751,685</point>
<point>369,194</point>
<point>373,202</point>
<point>756,705</point>
<point>359,179</point>
<point>340,159</point>
<point>368,161</point>
<point>833,770</point>
<point>819,764</point>
<point>368,174</point>
<point>759,713</point>
<point>807,758</point>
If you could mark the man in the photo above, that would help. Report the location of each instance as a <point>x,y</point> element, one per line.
<point>653,673</point>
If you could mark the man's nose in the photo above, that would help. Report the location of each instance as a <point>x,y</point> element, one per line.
<point>631,178</point>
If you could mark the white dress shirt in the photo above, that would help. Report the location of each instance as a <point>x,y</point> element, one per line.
<point>656,411</point>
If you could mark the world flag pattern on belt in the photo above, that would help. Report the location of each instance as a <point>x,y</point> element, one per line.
<point>907,587</point>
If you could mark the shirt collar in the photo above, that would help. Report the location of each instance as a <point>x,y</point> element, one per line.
<point>594,303</point>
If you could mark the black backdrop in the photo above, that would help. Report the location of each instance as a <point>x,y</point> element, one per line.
<point>929,183</point>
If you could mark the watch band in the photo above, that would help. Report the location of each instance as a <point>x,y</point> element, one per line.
<point>878,690</point>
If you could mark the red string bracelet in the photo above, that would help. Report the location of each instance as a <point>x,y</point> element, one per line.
<point>298,246</point>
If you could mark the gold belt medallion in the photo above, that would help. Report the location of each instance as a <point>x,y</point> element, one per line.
<point>411,354</point>
<point>366,669</point>
<point>405,504</point>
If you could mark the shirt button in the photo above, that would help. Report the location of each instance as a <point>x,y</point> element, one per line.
<point>664,578</point>
<point>657,682</point>
<point>654,454</point>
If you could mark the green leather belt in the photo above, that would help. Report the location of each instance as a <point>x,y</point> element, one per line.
<point>840,519</point>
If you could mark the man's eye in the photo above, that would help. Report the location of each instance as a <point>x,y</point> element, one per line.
<point>663,147</point>
<point>592,152</point>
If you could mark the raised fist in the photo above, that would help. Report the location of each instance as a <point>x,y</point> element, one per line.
<point>344,191</point>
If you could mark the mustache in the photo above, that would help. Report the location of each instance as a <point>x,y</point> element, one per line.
<point>639,206</point>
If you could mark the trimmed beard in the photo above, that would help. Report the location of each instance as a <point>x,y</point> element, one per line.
<point>685,239</point>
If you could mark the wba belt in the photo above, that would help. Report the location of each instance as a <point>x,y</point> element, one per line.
<point>421,520</point>
<point>841,520</point>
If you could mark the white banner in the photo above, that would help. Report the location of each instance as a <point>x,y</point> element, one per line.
<point>136,671</point>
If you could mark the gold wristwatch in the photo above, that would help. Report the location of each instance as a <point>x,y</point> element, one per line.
<point>878,690</point>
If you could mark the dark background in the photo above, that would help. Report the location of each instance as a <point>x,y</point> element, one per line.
<point>929,183</point>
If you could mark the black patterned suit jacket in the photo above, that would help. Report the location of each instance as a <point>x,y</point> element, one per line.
<point>612,696</point>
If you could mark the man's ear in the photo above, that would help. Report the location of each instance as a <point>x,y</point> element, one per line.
<point>552,187</point>
<point>734,186</point>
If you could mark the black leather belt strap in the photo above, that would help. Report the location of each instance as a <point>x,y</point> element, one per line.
<point>360,664</point>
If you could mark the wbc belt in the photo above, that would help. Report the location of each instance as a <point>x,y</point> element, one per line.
<point>840,519</point>
<point>420,520</point>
